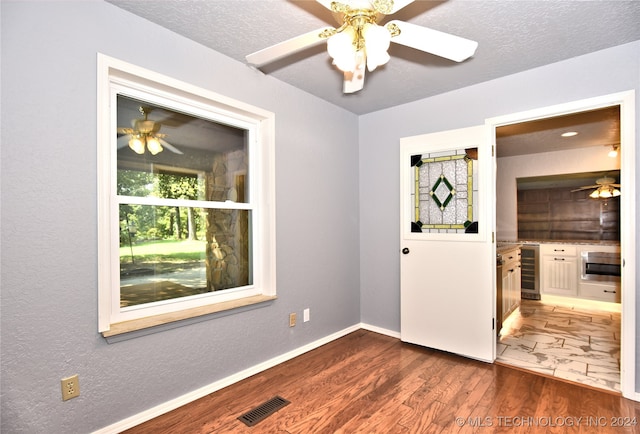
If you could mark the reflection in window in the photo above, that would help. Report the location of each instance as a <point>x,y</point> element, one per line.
<point>184,226</point>
<point>156,264</point>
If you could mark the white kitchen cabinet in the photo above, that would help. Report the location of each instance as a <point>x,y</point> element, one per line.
<point>609,291</point>
<point>559,269</point>
<point>511,274</point>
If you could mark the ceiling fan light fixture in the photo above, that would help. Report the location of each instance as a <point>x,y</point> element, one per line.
<point>137,145</point>
<point>342,49</point>
<point>376,41</point>
<point>153,145</point>
<point>604,192</point>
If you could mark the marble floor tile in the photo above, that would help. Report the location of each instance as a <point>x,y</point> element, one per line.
<point>517,341</point>
<point>575,344</point>
<point>589,381</point>
<point>603,373</point>
<point>500,348</point>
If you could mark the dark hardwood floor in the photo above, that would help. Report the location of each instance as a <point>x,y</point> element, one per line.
<point>370,383</point>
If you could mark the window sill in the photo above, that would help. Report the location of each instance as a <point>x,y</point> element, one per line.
<point>159,320</point>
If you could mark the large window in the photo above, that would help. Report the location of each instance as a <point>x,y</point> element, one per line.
<point>185,200</point>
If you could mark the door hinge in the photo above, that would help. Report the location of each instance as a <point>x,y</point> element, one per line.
<point>492,151</point>
<point>493,237</point>
<point>493,323</point>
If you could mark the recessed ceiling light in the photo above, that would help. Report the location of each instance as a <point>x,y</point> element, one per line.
<point>569,134</point>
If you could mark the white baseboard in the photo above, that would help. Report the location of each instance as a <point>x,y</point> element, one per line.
<point>168,406</point>
<point>380,330</point>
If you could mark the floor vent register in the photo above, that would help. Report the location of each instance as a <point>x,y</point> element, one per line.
<point>263,411</point>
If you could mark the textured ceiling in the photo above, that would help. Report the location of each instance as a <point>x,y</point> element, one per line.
<point>513,36</point>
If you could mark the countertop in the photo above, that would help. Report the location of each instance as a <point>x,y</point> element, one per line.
<point>578,242</point>
<point>503,247</point>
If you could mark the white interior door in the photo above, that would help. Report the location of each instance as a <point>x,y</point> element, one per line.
<point>447,252</point>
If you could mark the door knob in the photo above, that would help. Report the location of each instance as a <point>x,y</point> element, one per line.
<point>405,251</point>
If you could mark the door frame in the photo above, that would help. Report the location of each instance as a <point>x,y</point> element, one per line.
<point>626,101</point>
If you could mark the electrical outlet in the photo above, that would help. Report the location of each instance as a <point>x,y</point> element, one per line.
<point>70,387</point>
<point>306,315</point>
<point>292,320</point>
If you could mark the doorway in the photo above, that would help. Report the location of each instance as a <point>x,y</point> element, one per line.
<point>507,227</point>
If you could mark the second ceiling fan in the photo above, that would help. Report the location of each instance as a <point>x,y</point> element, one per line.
<point>360,43</point>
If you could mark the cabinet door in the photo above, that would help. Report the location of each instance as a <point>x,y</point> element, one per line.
<point>605,292</point>
<point>560,275</point>
<point>506,292</point>
<point>510,288</point>
<point>516,287</point>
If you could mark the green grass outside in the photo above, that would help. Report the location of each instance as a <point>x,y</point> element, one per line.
<point>164,251</point>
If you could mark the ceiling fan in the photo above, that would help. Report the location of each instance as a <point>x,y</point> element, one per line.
<point>605,187</point>
<point>144,134</point>
<point>360,42</point>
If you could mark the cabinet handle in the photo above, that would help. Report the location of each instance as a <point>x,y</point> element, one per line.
<point>558,259</point>
<point>611,292</point>
<point>558,250</point>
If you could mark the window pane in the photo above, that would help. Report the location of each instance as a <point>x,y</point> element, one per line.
<point>173,252</point>
<point>163,153</point>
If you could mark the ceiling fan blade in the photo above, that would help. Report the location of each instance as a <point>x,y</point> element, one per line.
<point>169,146</point>
<point>326,3</point>
<point>354,81</point>
<point>433,41</point>
<point>123,141</point>
<point>175,120</point>
<point>286,48</point>
<point>586,187</point>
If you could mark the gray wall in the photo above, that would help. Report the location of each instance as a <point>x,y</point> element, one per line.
<point>605,72</point>
<point>49,257</point>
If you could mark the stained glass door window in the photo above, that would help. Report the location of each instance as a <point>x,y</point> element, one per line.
<point>444,191</point>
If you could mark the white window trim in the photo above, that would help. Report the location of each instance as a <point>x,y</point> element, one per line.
<point>115,74</point>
